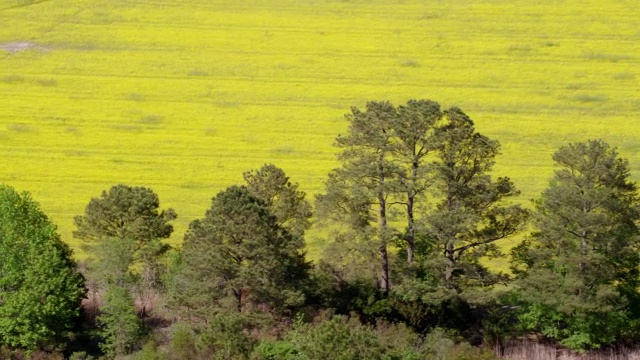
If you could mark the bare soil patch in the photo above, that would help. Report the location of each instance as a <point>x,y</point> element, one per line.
<point>18,46</point>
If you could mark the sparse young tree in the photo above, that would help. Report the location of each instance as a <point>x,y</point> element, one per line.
<point>120,325</point>
<point>131,214</point>
<point>40,287</point>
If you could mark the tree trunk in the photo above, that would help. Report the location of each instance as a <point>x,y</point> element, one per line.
<point>448,273</point>
<point>382,229</point>
<point>411,195</point>
<point>583,243</point>
<point>411,232</point>
<point>238,295</point>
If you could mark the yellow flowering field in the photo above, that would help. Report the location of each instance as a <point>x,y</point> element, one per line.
<point>184,95</point>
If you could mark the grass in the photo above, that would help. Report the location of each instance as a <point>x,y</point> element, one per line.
<point>183,96</point>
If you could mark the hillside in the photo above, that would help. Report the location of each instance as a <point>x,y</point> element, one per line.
<point>183,96</point>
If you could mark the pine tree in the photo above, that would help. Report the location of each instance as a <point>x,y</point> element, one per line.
<point>238,257</point>
<point>362,185</point>
<point>579,271</point>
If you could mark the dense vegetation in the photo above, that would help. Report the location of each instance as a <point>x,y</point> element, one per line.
<point>410,218</point>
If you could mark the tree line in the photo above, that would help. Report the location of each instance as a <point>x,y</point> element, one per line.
<point>410,217</point>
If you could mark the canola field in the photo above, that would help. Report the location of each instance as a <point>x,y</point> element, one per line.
<point>184,95</point>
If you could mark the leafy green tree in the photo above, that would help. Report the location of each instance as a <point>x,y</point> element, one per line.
<point>288,204</point>
<point>132,213</point>
<point>40,287</point>
<point>579,270</point>
<point>238,256</point>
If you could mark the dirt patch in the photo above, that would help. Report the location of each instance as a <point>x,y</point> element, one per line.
<point>18,46</point>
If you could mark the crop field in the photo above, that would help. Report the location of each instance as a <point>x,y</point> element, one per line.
<point>183,96</point>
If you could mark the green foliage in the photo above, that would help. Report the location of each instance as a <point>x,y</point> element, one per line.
<point>358,190</point>
<point>183,342</point>
<point>441,344</point>
<point>288,204</point>
<point>113,263</point>
<point>150,351</point>
<point>337,339</point>
<point>238,257</point>
<point>80,355</point>
<point>275,350</point>
<point>347,293</point>
<point>390,157</point>
<point>579,271</point>
<point>469,215</point>
<point>347,339</point>
<point>124,229</point>
<point>125,212</point>
<point>432,168</point>
<point>119,323</point>
<point>40,288</point>
<point>226,338</point>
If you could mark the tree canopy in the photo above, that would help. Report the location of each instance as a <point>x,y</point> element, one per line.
<point>435,167</point>
<point>40,287</point>
<point>580,268</point>
<point>125,212</point>
<point>288,204</point>
<point>238,256</point>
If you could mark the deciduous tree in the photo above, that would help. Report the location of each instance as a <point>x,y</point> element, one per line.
<point>40,287</point>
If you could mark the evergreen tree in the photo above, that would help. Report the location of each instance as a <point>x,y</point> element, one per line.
<point>237,257</point>
<point>414,130</point>
<point>288,204</point>
<point>469,216</point>
<point>579,271</point>
<point>362,185</point>
<point>127,213</point>
<point>448,280</point>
